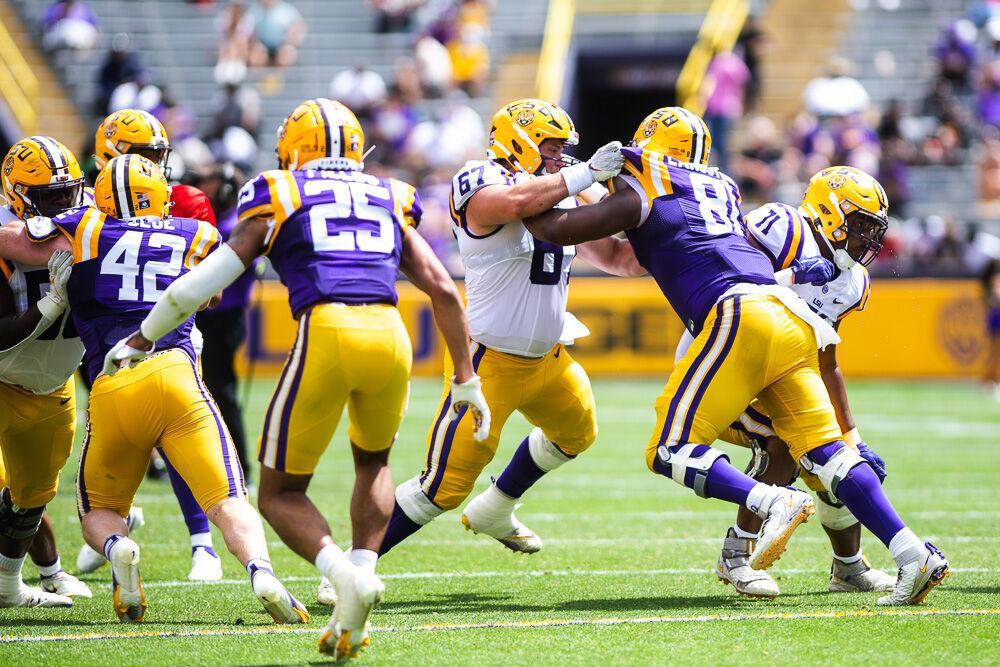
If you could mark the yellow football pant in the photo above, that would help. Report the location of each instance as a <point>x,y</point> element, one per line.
<point>750,346</point>
<point>36,436</point>
<point>343,354</point>
<point>159,402</point>
<point>552,392</point>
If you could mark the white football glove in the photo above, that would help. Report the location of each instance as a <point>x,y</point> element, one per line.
<point>470,393</point>
<point>607,161</point>
<point>55,301</point>
<point>122,355</point>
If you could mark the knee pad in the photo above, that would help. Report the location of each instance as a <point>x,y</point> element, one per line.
<point>832,513</point>
<point>415,503</point>
<point>831,463</point>
<point>18,523</point>
<point>688,465</point>
<point>544,452</point>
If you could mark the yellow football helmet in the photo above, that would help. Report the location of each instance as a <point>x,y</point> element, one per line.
<point>321,129</point>
<point>131,131</point>
<point>849,208</point>
<point>41,177</point>
<point>519,128</point>
<point>131,186</point>
<point>676,132</point>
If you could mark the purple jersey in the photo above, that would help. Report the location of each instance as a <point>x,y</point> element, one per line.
<point>121,268</point>
<point>691,236</point>
<point>336,236</point>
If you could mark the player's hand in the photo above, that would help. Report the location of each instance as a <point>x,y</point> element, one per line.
<point>125,352</point>
<point>874,460</point>
<point>60,268</point>
<point>813,270</point>
<point>470,393</point>
<point>607,161</point>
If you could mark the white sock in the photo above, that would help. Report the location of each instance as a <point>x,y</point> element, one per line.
<point>498,500</point>
<point>760,499</point>
<point>10,575</point>
<point>49,570</point>
<point>746,535</point>
<point>331,560</point>
<point>849,560</point>
<point>363,558</point>
<point>201,540</point>
<point>905,547</point>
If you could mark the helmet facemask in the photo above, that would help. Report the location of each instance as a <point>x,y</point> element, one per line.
<point>51,200</point>
<point>864,236</point>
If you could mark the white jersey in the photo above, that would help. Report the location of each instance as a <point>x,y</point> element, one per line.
<point>515,285</point>
<point>785,236</point>
<point>45,364</point>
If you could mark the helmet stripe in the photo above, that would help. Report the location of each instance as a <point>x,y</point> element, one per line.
<point>697,135</point>
<point>334,145</point>
<point>121,187</point>
<point>52,151</point>
<point>155,126</point>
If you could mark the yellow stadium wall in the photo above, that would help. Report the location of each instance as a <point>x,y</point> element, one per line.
<point>911,328</point>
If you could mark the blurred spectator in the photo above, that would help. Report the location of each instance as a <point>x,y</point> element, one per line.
<point>837,93</point>
<point>433,66</point>
<point>406,79</point>
<point>69,24</point>
<point>394,15</point>
<point>989,169</point>
<point>121,65</point>
<point>750,46</point>
<point>392,124</point>
<point>755,168</point>
<point>177,117</point>
<point>991,295</point>
<point>470,59</point>
<point>955,53</point>
<point>234,27</point>
<point>278,29</point>
<point>235,106</point>
<point>726,78</point>
<point>360,88</point>
<point>989,94</point>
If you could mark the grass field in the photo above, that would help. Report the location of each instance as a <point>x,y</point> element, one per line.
<point>625,576</point>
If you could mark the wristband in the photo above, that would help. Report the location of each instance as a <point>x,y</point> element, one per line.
<point>578,177</point>
<point>50,307</point>
<point>853,437</point>
<point>785,278</point>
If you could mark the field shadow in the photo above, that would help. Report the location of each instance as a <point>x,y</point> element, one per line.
<point>111,626</point>
<point>476,602</point>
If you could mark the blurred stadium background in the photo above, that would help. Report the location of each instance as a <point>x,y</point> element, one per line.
<point>905,89</point>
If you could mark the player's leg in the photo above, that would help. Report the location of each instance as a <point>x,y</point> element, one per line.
<point>196,442</point>
<point>710,386</point>
<point>36,435</point>
<point>559,402</point>
<point>455,458</point>
<point>205,563</point>
<point>802,415</point>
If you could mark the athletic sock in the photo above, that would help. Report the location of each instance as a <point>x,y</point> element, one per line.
<point>202,541</point>
<point>905,547</point>
<point>520,473</point>
<point>848,560</point>
<point>52,569</point>
<point>363,558</point>
<point>255,565</point>
<point>743,534</point>
<point>10,575</point>
<point>724,482</point>
<point>862,493</point>
<point>331,560</point>
<point>109,544</point>
<point>400,527</point>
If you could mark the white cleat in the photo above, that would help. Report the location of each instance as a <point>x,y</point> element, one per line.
<point>347,633</point>
<point>733,568</point>
<point>129,600</point>
<point>326,594</point>
<point>916,579</point>
<point>205,566</point>
<point>492,513</point>
<point>788,509</point>
<point>64,583</point>
<point>859,577</point>
<point>89,560</point>
<point>277,601</point>
<point>29,596</point>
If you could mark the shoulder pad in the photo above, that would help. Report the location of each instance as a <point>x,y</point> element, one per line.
<point>474,176</point>
<point>40,228</point>
<point>780,230</point>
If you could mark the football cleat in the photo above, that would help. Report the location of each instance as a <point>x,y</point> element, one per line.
<point>205,565</point>
<point>733,568</point>
<point>492,513</point>
<point>277,601</point>
<point>326,593</point>
<point>29,596</point>
<point>916,579</point>
<point>89,560</point>
<point>859,577</point>
<point>788,509</point>
<point>129,600</point>
<point>347,633</point>
<point>64,583</point>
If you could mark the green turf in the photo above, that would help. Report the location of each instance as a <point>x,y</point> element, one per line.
<point>620,544</point>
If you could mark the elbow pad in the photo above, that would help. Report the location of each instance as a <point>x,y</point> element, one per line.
<point>186,294</point>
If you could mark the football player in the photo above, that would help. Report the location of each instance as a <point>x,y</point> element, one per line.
<point>753,338</point>
<point>39,352</point>
<point>516,288</point>
<point>840,203</point>
<point>136,132</point>
<point>126,251</point>
<point>338,239</point>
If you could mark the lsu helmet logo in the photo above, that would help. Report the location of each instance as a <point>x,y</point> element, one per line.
<point>8,165</point>
<point>525,117</point>
<point>837,181</point>
<point>649,128</point>
<point>110,130</point>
